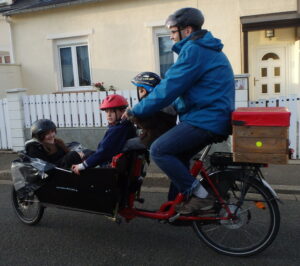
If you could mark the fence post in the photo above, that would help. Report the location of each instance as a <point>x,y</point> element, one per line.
<point>16,117</point>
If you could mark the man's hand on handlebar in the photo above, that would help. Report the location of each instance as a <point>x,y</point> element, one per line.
<point>127,114</point>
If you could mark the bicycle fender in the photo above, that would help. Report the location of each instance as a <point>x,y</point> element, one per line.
<point>266,184</point>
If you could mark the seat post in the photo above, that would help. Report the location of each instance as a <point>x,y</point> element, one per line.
<point>205,152</point>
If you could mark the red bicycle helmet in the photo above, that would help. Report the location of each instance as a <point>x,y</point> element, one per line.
<point>114,101</point>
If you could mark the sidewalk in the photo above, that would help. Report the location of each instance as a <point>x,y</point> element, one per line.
<point>284,179</point>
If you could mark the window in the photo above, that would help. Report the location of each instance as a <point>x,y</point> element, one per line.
<point>264,72</point>
<point>277,87</point>
<point>164,55</point>
<point>264,88</point>
<point>75,66</point>
<point>270,55</point>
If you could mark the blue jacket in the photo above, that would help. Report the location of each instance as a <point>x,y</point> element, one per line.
<point>200,85</point>
<point>111,144</point>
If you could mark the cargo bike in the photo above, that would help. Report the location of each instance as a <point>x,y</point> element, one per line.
<point>244,221</point>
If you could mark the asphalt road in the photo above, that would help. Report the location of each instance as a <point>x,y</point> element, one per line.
<point>72,238</point>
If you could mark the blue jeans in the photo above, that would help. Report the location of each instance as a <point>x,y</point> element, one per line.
<point>173,151</point>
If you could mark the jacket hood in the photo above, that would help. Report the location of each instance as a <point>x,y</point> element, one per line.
<point>202,38</point>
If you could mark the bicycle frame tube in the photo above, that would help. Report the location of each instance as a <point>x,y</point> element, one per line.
<point>130,212</point>
<point>167,209</point>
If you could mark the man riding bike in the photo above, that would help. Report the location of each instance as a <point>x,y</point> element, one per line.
<point>200,85</point>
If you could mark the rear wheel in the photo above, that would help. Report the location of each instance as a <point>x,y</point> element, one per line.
<point>29,209</point>
<point>255,225</point>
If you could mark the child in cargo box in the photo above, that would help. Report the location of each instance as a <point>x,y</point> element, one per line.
<point>115,137</point>
<point>46,146</point>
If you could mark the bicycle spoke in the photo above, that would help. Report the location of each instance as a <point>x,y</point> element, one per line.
<point>249,236</point>
<point>223,238</point>
<point>213,229</point>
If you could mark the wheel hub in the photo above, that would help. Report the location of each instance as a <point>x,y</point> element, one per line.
<point>237,221</point>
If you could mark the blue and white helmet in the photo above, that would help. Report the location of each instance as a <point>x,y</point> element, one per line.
<point>147,80</point>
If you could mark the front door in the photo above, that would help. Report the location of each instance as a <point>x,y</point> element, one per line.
<point>270,72</point>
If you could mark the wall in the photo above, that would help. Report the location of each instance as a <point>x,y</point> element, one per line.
<point>223,20</point>
<point>256,7</point>
<point>10,78</point>
<point>120,44</point>
<point>4,36</point>
<point>120,36</point>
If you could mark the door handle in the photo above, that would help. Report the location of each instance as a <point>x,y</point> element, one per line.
<point>255,80</point>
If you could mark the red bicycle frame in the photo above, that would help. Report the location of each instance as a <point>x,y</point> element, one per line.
<point>167,209</point>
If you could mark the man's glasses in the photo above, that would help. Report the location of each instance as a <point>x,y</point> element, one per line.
<point>174,31</point>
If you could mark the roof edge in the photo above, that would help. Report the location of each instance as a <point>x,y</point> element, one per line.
<point>270,17</point>
<point>271,21</point>
<point>42,8</point>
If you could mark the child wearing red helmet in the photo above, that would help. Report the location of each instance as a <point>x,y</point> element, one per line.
<point>115,137</point>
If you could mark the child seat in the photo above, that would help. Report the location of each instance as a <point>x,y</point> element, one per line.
<point>131,170</point>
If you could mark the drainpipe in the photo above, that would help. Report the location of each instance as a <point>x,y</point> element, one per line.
<point>11,52</point>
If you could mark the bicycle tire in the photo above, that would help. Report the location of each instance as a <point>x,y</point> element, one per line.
<point>237,234</point>
<point>28,210</point>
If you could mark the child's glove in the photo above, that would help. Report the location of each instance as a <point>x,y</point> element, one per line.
<point>76,168</point>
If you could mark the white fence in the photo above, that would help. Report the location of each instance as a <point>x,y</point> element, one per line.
<point>70,109</point>
<point>82,110</point>
<point>293,104</point>
<point>5,134</point>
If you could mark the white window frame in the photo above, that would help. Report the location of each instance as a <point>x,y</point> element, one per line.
<point>72,43</point>
<point>159,32</point>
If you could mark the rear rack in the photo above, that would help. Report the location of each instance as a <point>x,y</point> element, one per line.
<point>220,159</point>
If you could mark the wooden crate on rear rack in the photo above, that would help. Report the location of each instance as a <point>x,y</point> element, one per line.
<point>260,135</point>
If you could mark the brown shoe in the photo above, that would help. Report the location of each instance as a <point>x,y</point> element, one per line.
<point>195,204</point>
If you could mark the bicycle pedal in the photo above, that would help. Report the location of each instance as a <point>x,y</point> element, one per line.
<point>174,218</point>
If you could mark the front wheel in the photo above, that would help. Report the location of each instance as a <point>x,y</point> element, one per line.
<point>29,209</point>
<point>255,225</point>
